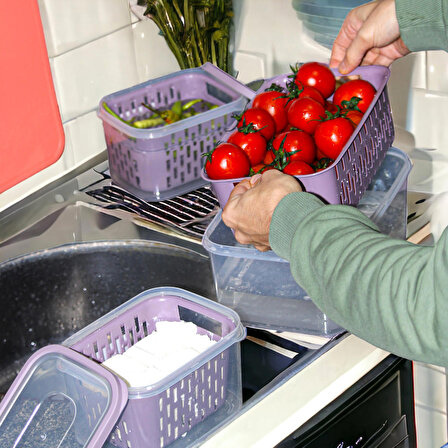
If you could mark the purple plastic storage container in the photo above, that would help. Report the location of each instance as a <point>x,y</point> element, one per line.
<point>61,398</point>
<point>346,180</point>
<point>163,162</point>
<point>171,409</point>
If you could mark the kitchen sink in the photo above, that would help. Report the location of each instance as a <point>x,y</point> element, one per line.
<point>48,295</point>
<point>65,262</point>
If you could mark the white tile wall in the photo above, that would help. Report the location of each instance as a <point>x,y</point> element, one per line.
<point>87,73</point>
<point>152,55</point>
<point>405,74</point>
<point>428,114</point>
<point>69,24</point>
<point>426,110</point>
<point>272,28</point>
<point>431,390</point>
<point>430,424</point>
<point>430,400</point>
<point>437,71</point>
<point>86,136</point>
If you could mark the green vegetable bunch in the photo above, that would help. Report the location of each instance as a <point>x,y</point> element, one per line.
<point>196,31</point>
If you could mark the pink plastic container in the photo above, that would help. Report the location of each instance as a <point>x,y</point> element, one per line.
<point>346,180</point>
<point>162,162</point>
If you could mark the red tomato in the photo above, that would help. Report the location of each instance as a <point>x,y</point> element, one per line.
<point>356,88</point>
<point>268,158</point>
<point>332,135</point>
<point>297,90</point>
<point>227,161</point>
<point>274,103</point>
<point>355,116</point>
<point>322,164</point>
<point>289,127</point>
<point>305,113</point>
<point>261,168</point>
<point>331,107</point>
<point>260,119</point>
<point>320,154</point>
<point>252,143</point>
<point>309,92</point>
<point>297,168</point>
<point>317,75</point>
<point>298,144</point>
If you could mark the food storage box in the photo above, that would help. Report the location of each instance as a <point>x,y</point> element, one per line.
<point>385,200</point>
<point>166,161</point>
<point>346,180</point>
<point>60,398</point>
<point>260,286</point>
<point>177,410</point>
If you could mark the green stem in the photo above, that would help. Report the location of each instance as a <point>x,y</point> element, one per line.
<point>114,114</point>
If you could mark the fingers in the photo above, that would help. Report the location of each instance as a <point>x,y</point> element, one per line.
<point>263,248</point>
<point>251,205</point>
<point>343,39</point>
<point>380,31</point>
<point>240,189</point>
<point>242,238</point>
<point>255,179</point>
<point>356,51</point>
<point>338,51</point>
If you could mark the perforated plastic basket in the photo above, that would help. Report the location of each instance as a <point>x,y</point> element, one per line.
<point>346,180</point>
<point>163,162</point>
<point>191,400</point>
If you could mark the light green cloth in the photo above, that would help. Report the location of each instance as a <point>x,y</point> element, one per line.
<point>389,292</point>
<point>423,23</point>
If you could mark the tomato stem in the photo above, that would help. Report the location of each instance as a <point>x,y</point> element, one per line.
<point>352,104</point>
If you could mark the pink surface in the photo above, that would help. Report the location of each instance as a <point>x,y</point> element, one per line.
<point>31,133</point>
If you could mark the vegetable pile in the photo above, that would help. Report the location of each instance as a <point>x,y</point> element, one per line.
<point>298,129</point>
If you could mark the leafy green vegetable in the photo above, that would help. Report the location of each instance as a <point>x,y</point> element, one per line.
<point>196,31</point>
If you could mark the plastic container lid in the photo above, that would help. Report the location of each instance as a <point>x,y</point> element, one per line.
<point>61,398</point>
<point>327,8</point>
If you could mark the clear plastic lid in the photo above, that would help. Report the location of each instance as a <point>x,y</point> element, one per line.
<point>61,399</point>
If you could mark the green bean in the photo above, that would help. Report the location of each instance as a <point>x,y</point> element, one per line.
<point>148,123</point>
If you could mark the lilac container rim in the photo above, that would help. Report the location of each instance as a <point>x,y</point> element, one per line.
<point>245,94</point>
<point>384,71</point>
<point>117,390</point>
<point>236,335</point>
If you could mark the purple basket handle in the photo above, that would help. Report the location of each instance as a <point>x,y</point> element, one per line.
<point>228,80</point>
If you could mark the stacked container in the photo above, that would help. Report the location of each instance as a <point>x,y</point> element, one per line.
<point>322,19</point>
<point>64,396</point>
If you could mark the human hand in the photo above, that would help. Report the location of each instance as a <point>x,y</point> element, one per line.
<point>251,205</point>
<point>369,35</point>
